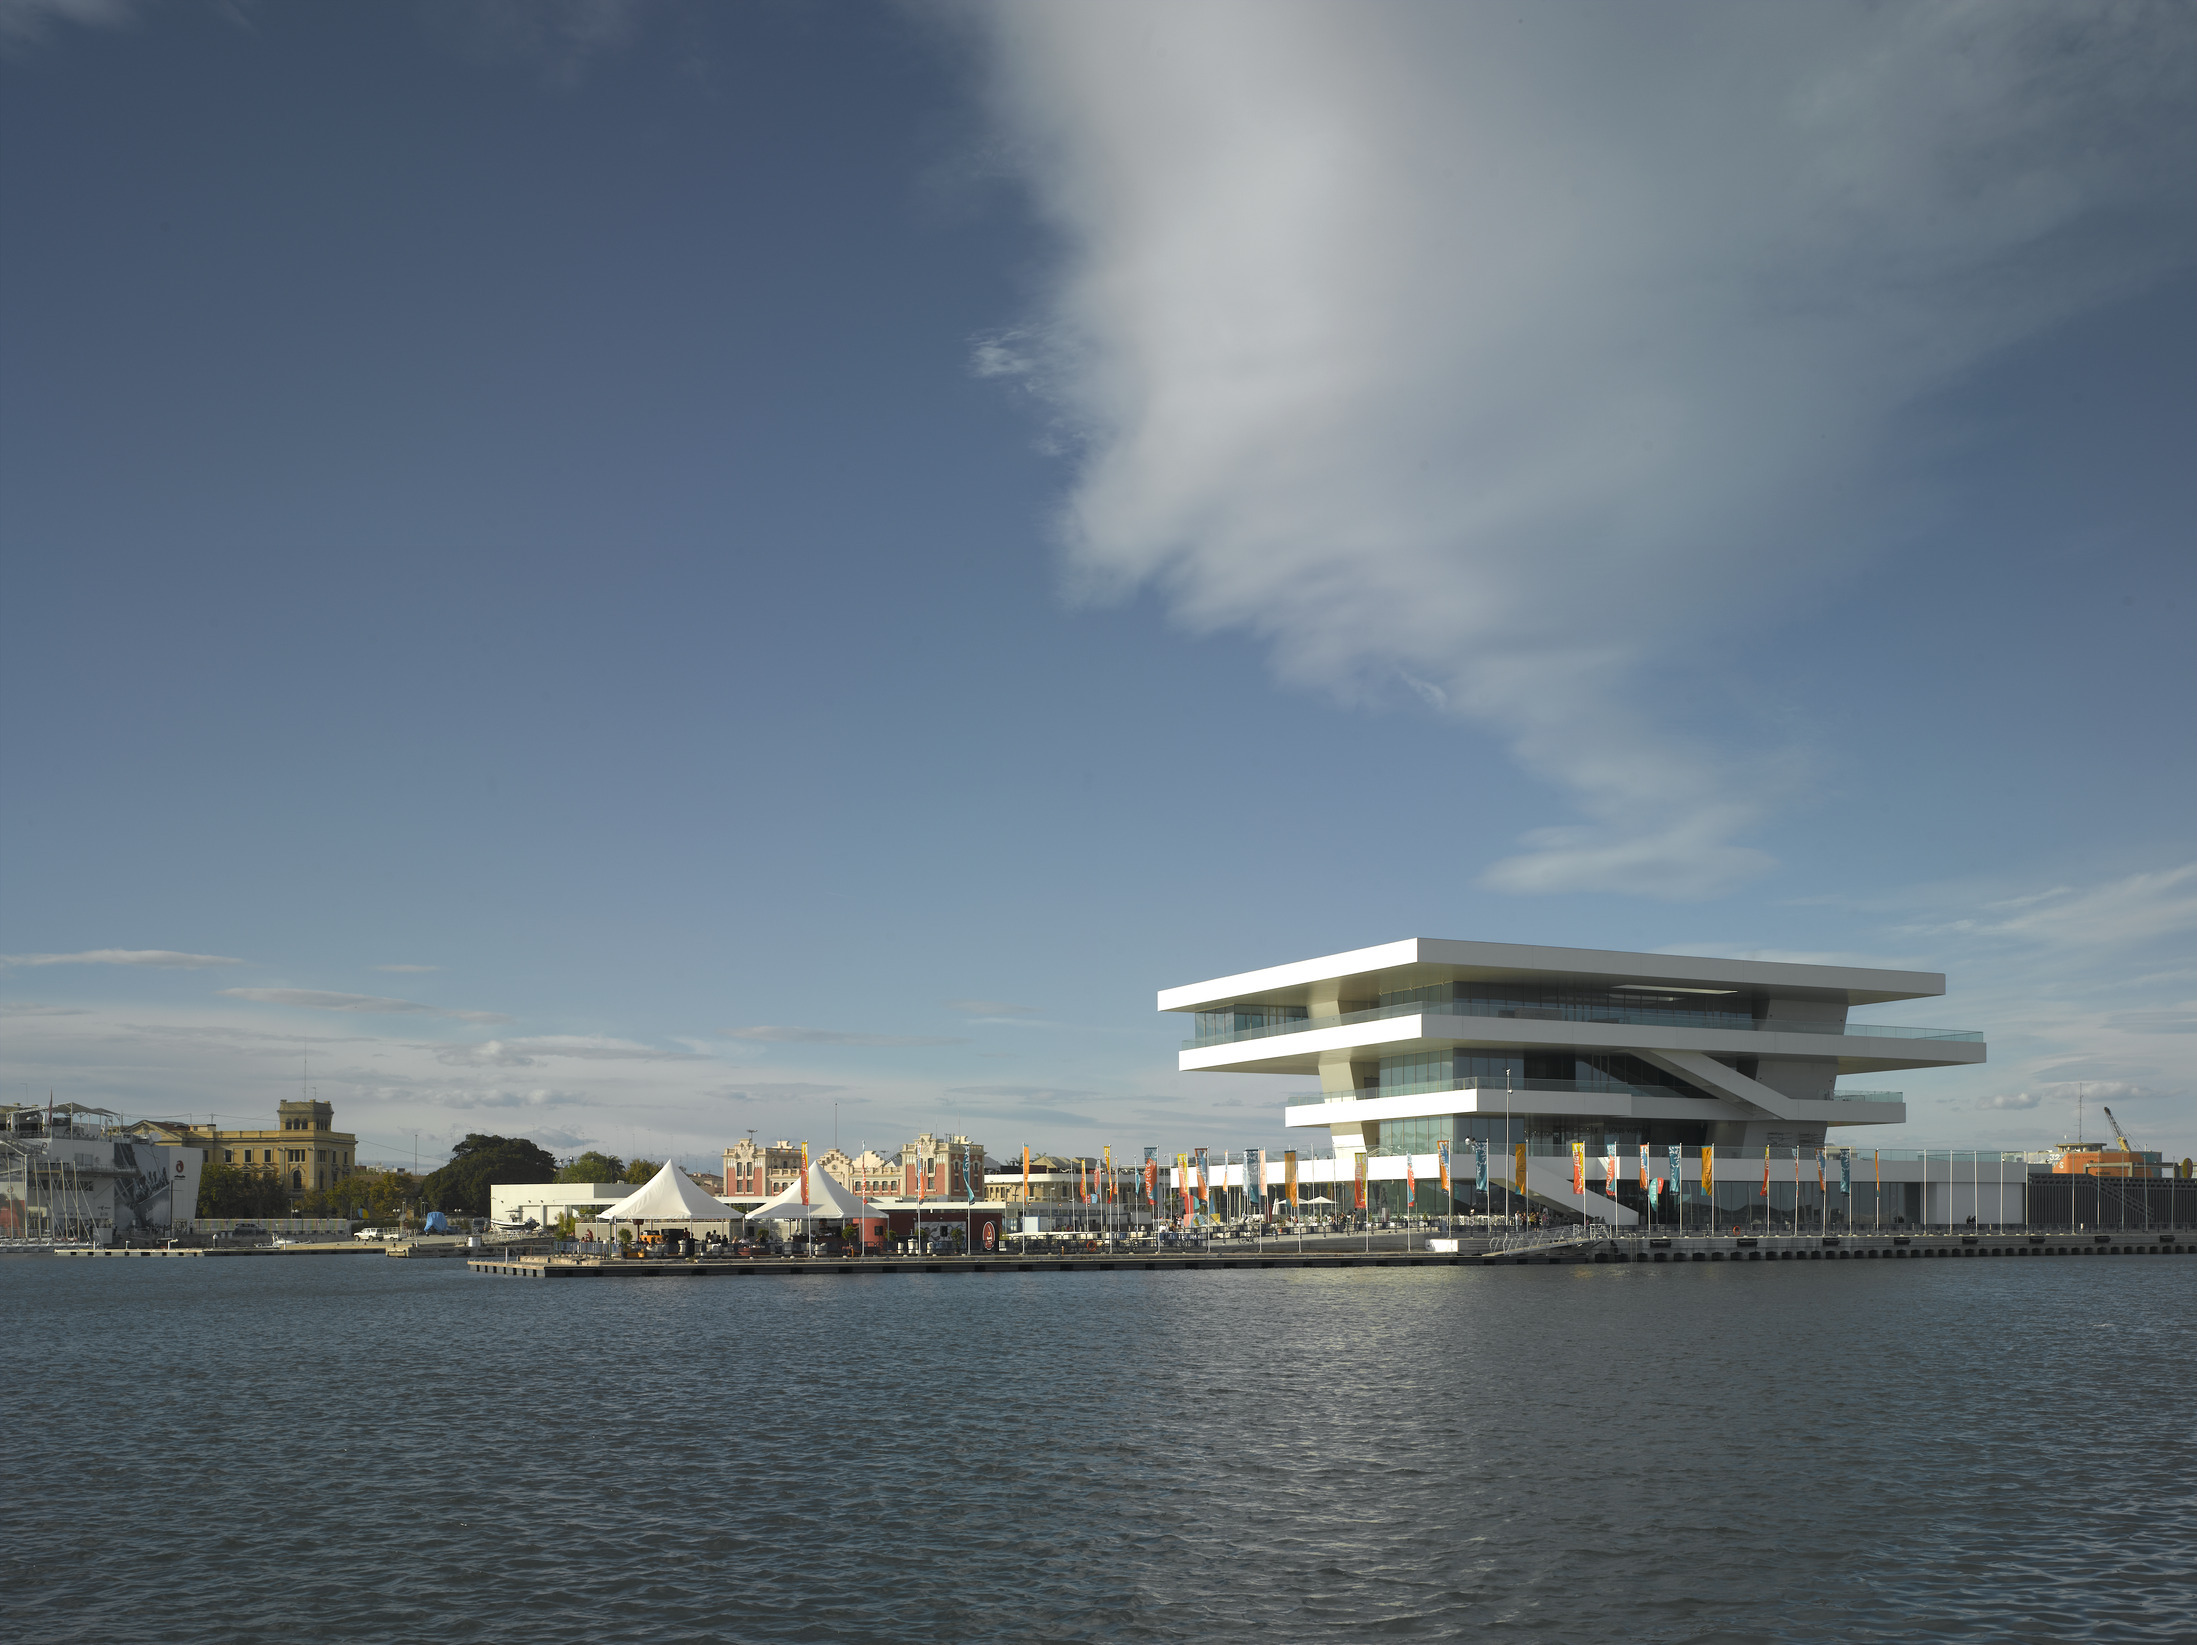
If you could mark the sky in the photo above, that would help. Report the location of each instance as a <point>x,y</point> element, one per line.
<point>638,574</point>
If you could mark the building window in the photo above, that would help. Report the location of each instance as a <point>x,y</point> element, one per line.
<point>228,1156</point>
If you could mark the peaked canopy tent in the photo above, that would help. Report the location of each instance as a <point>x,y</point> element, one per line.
<point>814,1196</point>
<point>670,1196</point>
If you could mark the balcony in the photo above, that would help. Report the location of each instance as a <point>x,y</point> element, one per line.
<point>1643,1016</point>
<point>1372,1093</point>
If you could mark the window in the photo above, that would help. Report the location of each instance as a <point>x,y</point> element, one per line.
<point>228,1156</point>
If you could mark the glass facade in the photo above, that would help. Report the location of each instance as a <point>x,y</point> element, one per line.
<point>1241,1019</point>
<point>1587,1004</point>
<point>1419,1072</point>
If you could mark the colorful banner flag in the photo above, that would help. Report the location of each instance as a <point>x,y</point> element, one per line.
<point>1846,1170</point>
<point>1678,1182</point>
<point>972,1172</point>
<point>1609,1172</point>
<point>1360,1178</point>
<point>1107,1154</point>
<point>1182,1179</point>
<point>1708,1168</point>
<point>1289,1173</point>
<point>1441,1161</point>
<point>1822,1187</point>
<point>1655,1192</point>
<point>1411,1182</point>
<point>1518,1169</point>
<point>1578,1168</point>
<point>1205,1185</point>
<point>1025,1170</point>
<point>1643,1165</point>
<point>1152,1179</point>
<point>1480,1164</point>
<point>1765,1194</point>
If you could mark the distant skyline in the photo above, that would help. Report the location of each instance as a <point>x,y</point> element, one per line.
<point>624,573</point>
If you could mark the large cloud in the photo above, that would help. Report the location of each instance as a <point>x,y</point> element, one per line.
<point>1513,354</point>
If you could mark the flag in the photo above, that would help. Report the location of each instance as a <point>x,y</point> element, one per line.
<point>1822,1187</point>
<point>1765,1194</point>
<point>1411,1182</point>
<point>1846,1170</point>
<point>1025,1170</point>
<point>1678,1182</point>
<point>1609,1172</point>
<point>1289,1173</point>
<point>1579,1168</point>
<point>1205,1186</point>
<point>1655,1192</point>
<point>1518,1168</point>
<point>972,1168</point>
<point>1254,1178</point>
<point>1708,1168</point>
<point>1360,1179</point>
<point>1182,1179</point>
<point>1480,1164</point>
<point>1106,1178</point>
<point>922,1172</point>
<point>1152,1179</point>
<point>1441,1162</point>
<point>1643,1165</point>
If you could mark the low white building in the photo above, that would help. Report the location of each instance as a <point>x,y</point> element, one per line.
<point>545,1202</point>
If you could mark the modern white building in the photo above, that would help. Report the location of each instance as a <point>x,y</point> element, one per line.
<point>1619,1058</point>
<point>545,1202</point>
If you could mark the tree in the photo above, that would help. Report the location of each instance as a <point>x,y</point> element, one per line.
<point>594,1167</point>
<point>478,1164</point>
<point>233,1191</point>
<point>380,1195</point>
<point>640,1171</point>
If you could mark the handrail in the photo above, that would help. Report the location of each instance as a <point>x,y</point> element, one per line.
<point>1644,1018</point>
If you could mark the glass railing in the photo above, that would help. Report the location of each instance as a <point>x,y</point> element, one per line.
<point>1636,1016</point>
<point>1372,1093</point>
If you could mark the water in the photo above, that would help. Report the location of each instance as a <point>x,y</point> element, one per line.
<point>352,1448</point>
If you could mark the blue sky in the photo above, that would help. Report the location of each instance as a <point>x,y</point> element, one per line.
<point>625,574</point>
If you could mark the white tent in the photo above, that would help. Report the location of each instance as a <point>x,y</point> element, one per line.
<point>671,1196</point>
<point>819,1198</point>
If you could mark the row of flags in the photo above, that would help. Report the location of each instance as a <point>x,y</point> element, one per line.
<point>1096,1182</point>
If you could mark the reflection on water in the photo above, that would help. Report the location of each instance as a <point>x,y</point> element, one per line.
<point>353,1448</point>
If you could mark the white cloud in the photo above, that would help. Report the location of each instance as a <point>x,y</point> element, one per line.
<point>525,1053</point>
<point>161,959</point>
<point>2018,1099</point>
<point>24,20</point>
<point>832,1036</point>
<point>782,1091</point>
<point>317,999</point>
<point>1515,357</point>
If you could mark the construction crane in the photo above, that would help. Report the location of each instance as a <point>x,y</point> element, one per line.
<point>2120,1136</point>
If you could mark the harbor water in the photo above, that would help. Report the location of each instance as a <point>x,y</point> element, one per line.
<point>350,1448</point>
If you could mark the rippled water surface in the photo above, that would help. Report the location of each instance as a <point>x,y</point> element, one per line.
<point>352,1448</point>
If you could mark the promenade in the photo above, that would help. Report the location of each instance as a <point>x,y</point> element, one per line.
<point>1558,1249</point>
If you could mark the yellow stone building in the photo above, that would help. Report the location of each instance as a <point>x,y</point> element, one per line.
<point>305,1149</point>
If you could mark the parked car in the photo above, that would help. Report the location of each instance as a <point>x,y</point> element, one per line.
<point>371,1233</point>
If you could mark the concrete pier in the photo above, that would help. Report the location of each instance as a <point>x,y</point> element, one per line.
<point>1279,1254</point>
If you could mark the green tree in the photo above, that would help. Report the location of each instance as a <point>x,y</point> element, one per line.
<point>594,1167</point>
<point>381,1195</point>
<point>233,1191</point>
<point>640,1171</point>
<point>478,1164</point>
